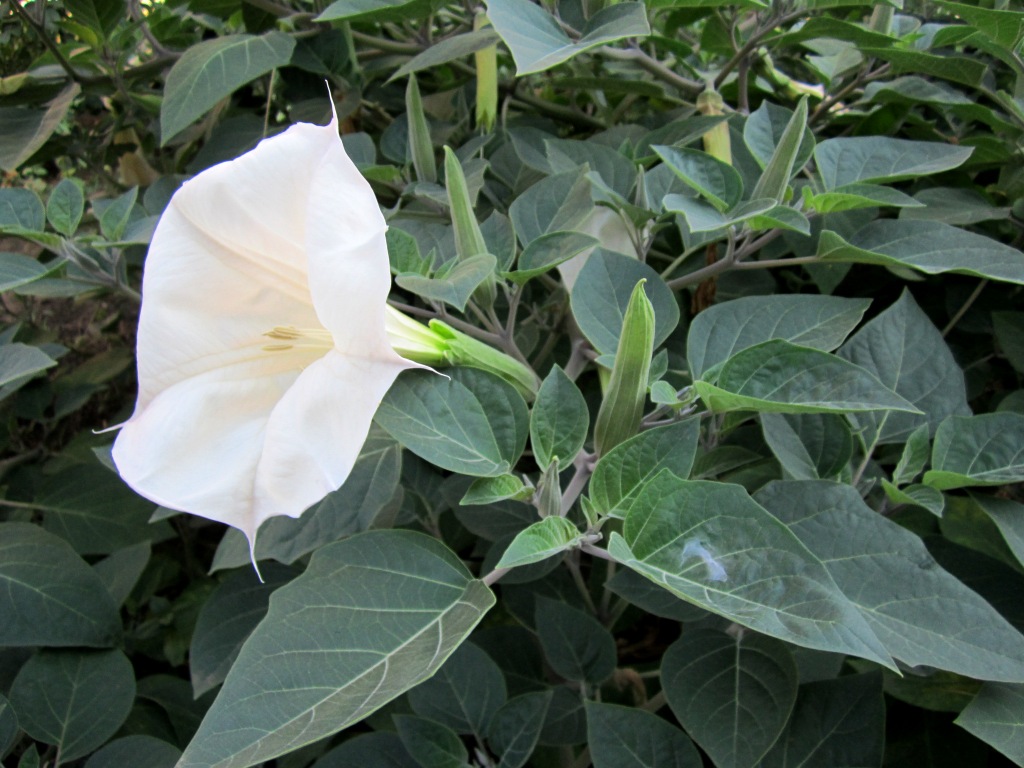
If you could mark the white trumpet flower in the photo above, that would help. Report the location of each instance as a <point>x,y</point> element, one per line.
<point>262,349</point>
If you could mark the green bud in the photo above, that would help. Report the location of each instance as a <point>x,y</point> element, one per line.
<point>486,61</point>
<point>549,492</point>
<point>623,403</point>
<point>420,147</point>
<point>717,142</point>
<point>469,240</point>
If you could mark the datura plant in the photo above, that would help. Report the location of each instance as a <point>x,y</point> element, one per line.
<point>627,385</point>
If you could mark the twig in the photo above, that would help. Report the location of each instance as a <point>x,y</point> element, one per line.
<point>51,46</point>
<point>966,306</point>
<point>655,67</point>
<point>752,43</point>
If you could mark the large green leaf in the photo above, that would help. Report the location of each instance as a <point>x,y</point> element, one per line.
<point>464,694</point>
<point>781,165</point>
<point>764,128</point>
<point>849,160</point>
<point>711,544</point>
<point>558,203</point>
<point>996,716</point>
<point>49,595</point>
<point>26,130</point>
<point>978,450</point>
<point>433,745</point>
<point>213,70</point>
<point>622,472</point>
<point>370,618</point>
<point>1005,27</point>
<point>376,10</point>
<point>776,376</point>
<point>722,330</point>
<point>559,420</point>
<point>8,725</point>
<point>17,270</point>
<point>453,283</point>
<point>472,423</point>
<point>628,737</point>
<point>601,294</point>
<point>538,42</point>
<point>138,751</point>
<point>927,246</point>
<point>922,614</point>
<point>837,723</point>
<point>908,354</point>
<point>73,699</point>
<point>733,695</point>
<point>1009,518</point>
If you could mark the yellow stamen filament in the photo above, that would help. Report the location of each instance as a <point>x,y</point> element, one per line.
<point>314,338</point>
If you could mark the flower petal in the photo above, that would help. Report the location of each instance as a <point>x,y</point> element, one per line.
<point>317,430</point>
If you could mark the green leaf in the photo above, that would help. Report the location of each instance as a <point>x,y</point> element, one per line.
<point>73,699</point>
<point>916,495</point>
<point>454,282</point>
<point>622,406</point>
<point>538,43</point>
<point>576,645</point>
<point>908,355</point>
<point>927,246</point>
<point>958,69</point>
<point>449,49</point>
<point>540,541</point>
<point>915,456</point>
<point>809,445</point>
<point>711,544</point>
<point>17,270</point>
<point>558,203</point>
<point>747,687</point>
<point>121,570</point>
<point>780,377</point>
<point>21,361</point>
<point>837,723</point>
<point>996,716</point>
<point>852,197</point>
<point>102,16</point>
<point>621,473</point>
<point>547,252</point>
<point>431,744</point>
<point>1005,27</point>
<point>50,596</point>
<point>464,694</point>
<point>226,620</point>
<point>515,727</point>
<point>26,130</point>
<point>488,490</point>
<point>719,182</point>
<point>212,70</point>
<point>977,450</point>
<point>95,512</point>
<point>601,294</point>
<point>65,206</point>
<point>652,598</point>
<point>473,423</point>
<point>8,725</point>
<point>922,614</point>
<point>1009,331</point>
<point>625,737</point>
<point>138,751</point>
<point>722,330</point>
<point>21,209</point>
<point>370,618</point>
<point>701,217</point>
<point>1009,518</point>
<point>559,420</point>
<point>376,10</point>
<point>780,168</point>
<point>354,507</point>
<point>954,205</point>
<point>849,160</point>
<point>379,749</point>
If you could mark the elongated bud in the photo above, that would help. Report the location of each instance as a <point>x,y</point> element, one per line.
<point>469,240</point>
<point>486,61</point>
<point>623,403</point>
<point>421,149</point>
<point>716,141</point>
<point>549,492</point>
<point>438,344</point>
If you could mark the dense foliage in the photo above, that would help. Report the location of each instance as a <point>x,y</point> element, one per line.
<point>745,490</point>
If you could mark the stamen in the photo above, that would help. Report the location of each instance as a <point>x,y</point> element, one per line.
<point>316,338</point>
